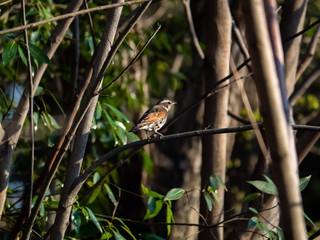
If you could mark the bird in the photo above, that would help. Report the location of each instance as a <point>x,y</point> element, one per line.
<point>154,118</point>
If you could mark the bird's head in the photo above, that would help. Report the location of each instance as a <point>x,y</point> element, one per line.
<point>166,103</point>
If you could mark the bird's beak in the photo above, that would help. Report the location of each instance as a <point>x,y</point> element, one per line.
<point>174,103</point>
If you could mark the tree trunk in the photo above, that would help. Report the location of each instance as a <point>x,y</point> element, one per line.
<point>218,46</point>
<point>268,77</point>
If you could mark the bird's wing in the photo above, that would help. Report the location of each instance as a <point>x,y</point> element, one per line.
<point>151,116</point>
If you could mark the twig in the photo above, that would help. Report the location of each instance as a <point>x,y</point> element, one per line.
<point>132,61</point>
<point>4,3</point>
<point>73,14</point>
<point>91,25</point>
<point>309,54</point>
<point>186,4</point>
<point>25,35</point>
<point>302,31</point>
<point>305,84</point>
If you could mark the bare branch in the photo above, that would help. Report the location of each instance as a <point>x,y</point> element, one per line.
<point>72,14</point>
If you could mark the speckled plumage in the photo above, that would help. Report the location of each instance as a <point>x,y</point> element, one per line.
<point>155,118</point>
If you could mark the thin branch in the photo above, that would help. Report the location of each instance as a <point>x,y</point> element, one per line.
<point>91,25</point>
<point>302,31</point>
<point>4,3</point>
<point>73,14</point>
<point>25,35</point>
<point>132,61</point>
<point>139,144</point>
<point>248,108</point>
<point>186,4</point>
<point>309,54</point>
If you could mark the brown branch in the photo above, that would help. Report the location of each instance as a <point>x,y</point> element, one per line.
<point>73,14</point>
<point>186,4</point>
<point>309,54</point>
<point>31,124</point>
<point>136,57</point>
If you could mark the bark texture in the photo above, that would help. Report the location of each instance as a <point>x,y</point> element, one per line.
<point>279,135</point>
<point>214,148</point>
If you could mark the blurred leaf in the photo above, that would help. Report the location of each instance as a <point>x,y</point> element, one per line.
<point>251,197</point>
<point>253,210</point>
<point>94,195</point>
<point>265,187</point>
<point>118,236</point>
<point>149,193</point>
<point>304,182</point>
<point>38,91</point>
<point>221,182</point>
<point>56,101</point>
<point>96,177</point>
<point>174,194</point>
<point>208,201</point>
<point>94,219</point>
<point>9,52</point>
<point>36,120</point>
<point>253,222</point>
<point>119,114</point>
<point>147,163</point>
<point>216,197</point>
<point>280,233</point>
<point>213,183</point>
<point>110,120</point>
<point>76,220</point>
<point>98,111</point>
<point>126,228</point>
<point>38,54</point>
<point>154,207</point>
<point>22,55</point>
<point>309,219</point>
<point>170,219</point>
<point>133,137</point>
<point>110,195</point>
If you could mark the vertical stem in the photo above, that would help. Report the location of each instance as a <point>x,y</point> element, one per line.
<point>25,35</point>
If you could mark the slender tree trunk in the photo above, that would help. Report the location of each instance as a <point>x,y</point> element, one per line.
<point>218,46</point>
<point>67,200</point>
<point>267,62</point>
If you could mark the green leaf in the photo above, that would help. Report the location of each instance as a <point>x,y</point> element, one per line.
<point>253,210</point>
<point>76,220</point>
<point>119,114</point>
<point>253,222</point>
<point>280,233</point>
<point>304,182</point>
<point>56,101</point>
<point>94,195</point>
<point>121,132</point>
<point>94,219</point>
<point>22,56</point>
<point>265,187</point>
<point>309,219</point>
<point>126,228</point>
<point>149,193</point>
<point>208,201</point>
<point>174,194</point>
<point>133,137</point>
<point>251,197</point>
<point>169,219</point>
<point>213,183</point>
<point>96,177</point>
<point>110,120</point>
<point>216,197</point>
<point>9,52</point>
<point>118,236</point>
<point>155,208</point>
<point>98,111</point>
<point>36,120</point>
<point>221,182</point>
<point>38,91</point>
<point>38,54</point>
<point>111,195</point>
